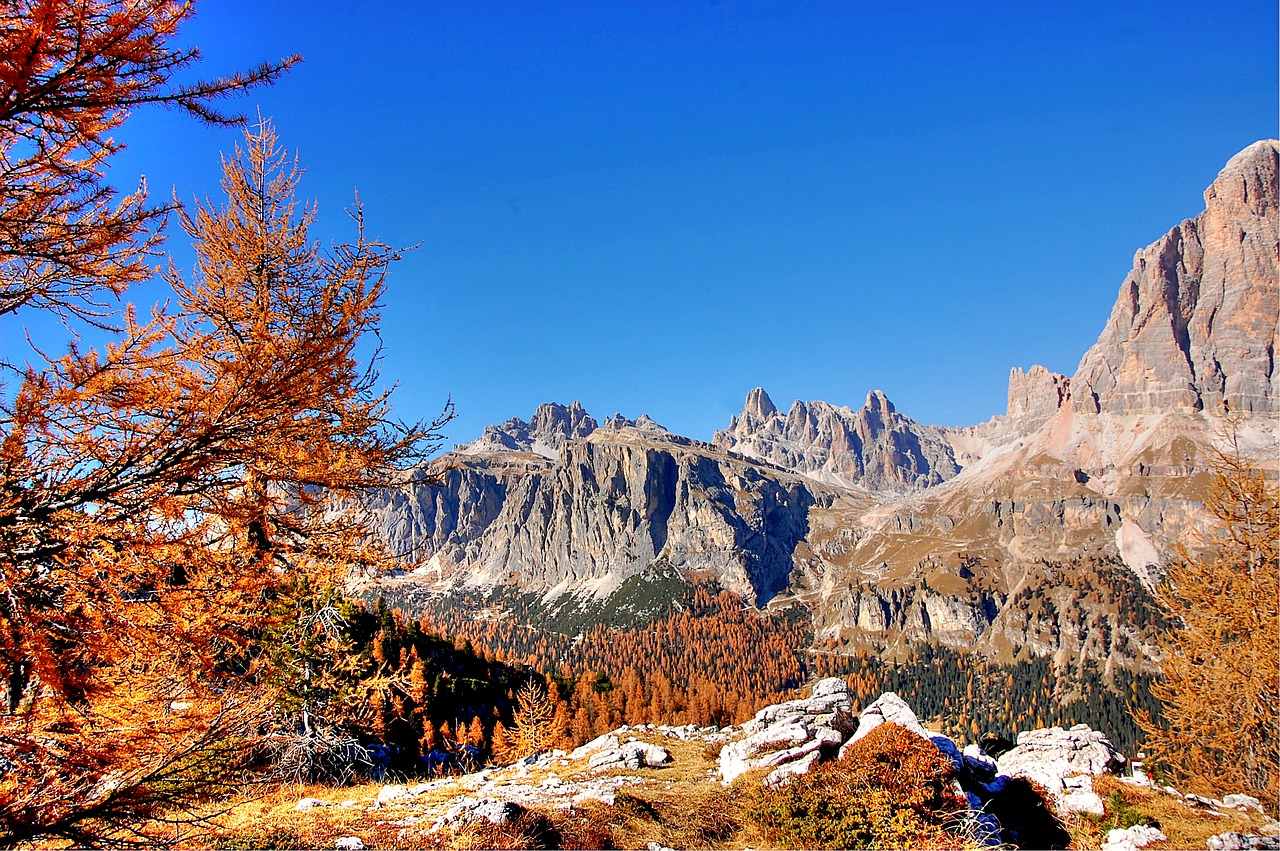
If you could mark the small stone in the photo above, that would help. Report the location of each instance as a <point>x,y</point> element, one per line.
<point>388,794</point>
<point>1242,802</point>
<point>348,843</point>
<point>1132,838</point>
<point>309,803</point>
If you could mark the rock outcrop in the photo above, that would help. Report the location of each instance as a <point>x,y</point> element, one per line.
<point>1036,395</point>
<point>874,447</point>
<point>631,756</point>
<point>888,708</point>
<point>1195,323</point>
<point>790,737</point>
<point>1063,762</point>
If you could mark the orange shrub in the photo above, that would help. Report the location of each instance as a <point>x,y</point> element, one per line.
<point>891,790</point>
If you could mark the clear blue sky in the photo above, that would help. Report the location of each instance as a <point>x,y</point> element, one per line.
<point>653,207</point>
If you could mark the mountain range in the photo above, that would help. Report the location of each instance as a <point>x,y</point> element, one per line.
<point>1038,533</point>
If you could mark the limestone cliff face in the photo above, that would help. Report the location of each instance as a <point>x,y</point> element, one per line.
<point>614,504</point>
<point>874,447</point>
<point>1036,395</point>
<point>1195,322</point>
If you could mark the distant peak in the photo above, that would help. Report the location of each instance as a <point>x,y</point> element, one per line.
<point>644,422</point>
<point>551,426</point>
<point>759,404</point>
<point>877,401</point>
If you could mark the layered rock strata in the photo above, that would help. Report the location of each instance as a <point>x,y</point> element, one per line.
<point>1194,327</point>
<point>610,507</point>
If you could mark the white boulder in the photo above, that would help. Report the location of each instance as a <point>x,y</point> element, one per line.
<point>472,810</point>
<point>1232,841</point>
<point>1080,749</point>
<point>1132,838</point>
<point>1063,762</point>
<point>607,742</point>
<point>390,794</point>
<point>632,755</point>
<point>789,736</point>
<point>1242,802</point>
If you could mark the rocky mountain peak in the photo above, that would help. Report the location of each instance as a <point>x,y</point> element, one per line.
<point>547,431</point>
<point>879,403</point>
<point>1194,326</point>
<point>874,447</point>
<point>644,423</point>
<point>759,404</point>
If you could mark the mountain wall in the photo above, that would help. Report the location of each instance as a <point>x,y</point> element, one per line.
<point>615,503</point>
<point>1194,327</point>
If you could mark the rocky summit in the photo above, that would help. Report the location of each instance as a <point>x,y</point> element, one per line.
<point>874,447</point>
<point>1037,534</point>
<point>1194,326</point>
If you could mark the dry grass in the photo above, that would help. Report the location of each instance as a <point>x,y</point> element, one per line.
<point>1187,826</point>
<point>674,794</point>
<point>679,805</point>
<point>271,820</point>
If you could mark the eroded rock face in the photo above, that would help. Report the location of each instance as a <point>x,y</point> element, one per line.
<point>790,737</point>
<point>612,506</point>
<point>874,447</point>
<point>1036,395</point>
<point>1195,322</point>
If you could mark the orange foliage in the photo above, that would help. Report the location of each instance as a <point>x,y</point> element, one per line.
<point>155,493</point>
<point>70,72</point>
<point>712,661</point>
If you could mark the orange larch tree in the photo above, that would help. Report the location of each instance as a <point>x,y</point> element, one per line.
<point>155,492</point>
<point>70,73</point>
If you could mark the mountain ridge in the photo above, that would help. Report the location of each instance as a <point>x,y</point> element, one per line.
<point>892,533</point>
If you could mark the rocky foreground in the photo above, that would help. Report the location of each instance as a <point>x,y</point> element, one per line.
<point>1082,776</point>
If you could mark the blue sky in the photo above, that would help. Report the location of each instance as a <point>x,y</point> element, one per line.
<point>653,207</point>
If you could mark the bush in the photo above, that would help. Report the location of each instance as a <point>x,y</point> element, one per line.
<point>892,789</point>
<point>1124,816</point>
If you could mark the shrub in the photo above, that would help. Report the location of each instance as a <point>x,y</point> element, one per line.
<point>892,789</point>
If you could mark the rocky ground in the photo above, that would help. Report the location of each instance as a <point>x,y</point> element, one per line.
<point>657,786</point>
